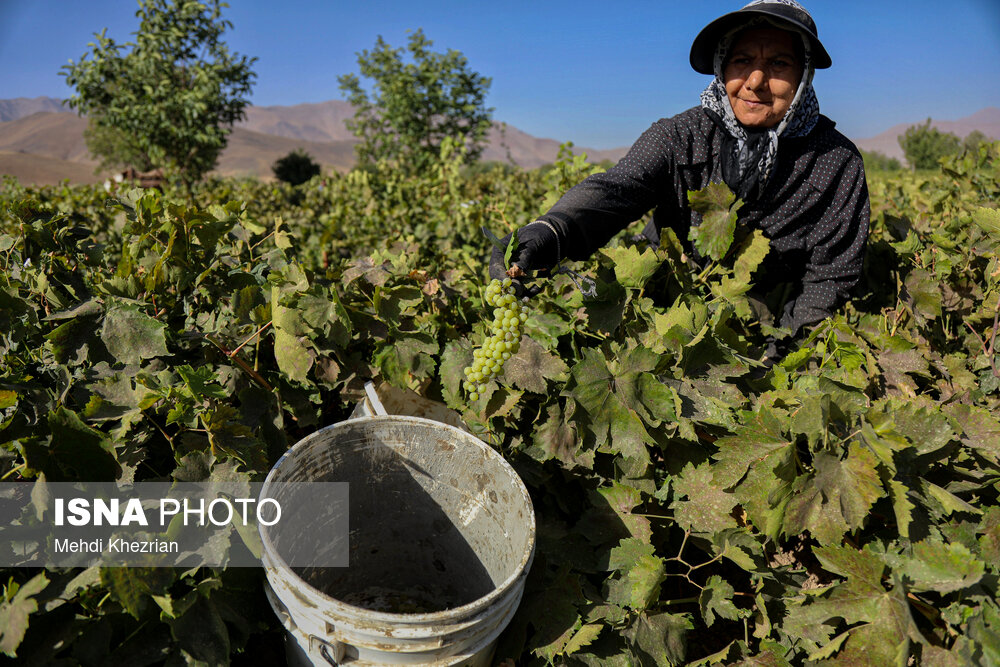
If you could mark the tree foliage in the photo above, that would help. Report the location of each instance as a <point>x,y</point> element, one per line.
<point>295,168</point>
<point>413,106</point>
<point>170,96</point>
<point>875,161</point>
<point>924,145</point>
<point>973,141</point>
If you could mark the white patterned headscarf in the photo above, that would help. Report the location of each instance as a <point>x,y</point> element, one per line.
<point>755,153</point>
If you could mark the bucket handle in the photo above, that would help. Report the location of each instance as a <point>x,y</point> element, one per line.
<point>373,400</point>
<point>325,647</point>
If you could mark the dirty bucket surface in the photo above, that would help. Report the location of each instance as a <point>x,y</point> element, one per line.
<point>441,537</point>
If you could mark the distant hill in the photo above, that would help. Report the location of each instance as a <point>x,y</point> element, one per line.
<point>43,128</point>
<point>986,121</point>
<point>19,107</point>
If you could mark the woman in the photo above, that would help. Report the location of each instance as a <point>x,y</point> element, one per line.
<point>758,129</point>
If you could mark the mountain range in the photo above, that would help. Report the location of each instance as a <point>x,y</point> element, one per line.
<point>41,140</point>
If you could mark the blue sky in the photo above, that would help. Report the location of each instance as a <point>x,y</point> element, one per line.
<point>578,71</point>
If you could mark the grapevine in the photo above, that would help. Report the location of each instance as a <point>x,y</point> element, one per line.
<point>504,338</point>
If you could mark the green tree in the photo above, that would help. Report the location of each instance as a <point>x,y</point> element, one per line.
<point>172,95</point>
<point>924,145</point>
<point>296,168</point>
<point>973,140</point>
<point>414,105</point>
<point>875,161</point>
<point>115,149</point>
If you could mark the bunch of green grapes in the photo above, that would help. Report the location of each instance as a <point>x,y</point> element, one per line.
<point>503,340</point>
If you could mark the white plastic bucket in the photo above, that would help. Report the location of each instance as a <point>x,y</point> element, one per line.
<point>442,534</point>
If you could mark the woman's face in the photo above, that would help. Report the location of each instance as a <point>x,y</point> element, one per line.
<point>762,75</point>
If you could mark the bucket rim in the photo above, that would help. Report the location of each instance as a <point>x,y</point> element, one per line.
<point>363,614</point>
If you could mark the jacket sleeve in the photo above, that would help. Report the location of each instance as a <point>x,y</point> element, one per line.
<point>837,251</point>
<point>600,206</point>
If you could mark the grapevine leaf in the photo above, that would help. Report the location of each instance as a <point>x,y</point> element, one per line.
<point>936,566</point>
<point>605,389</point>
<point>716,599</point>
<point>457,356</point>
<point>532,366</point>
<point>131,335</point>
<point>628,552</point>
<point>201,633</point>
<point>14,613</point>
<point>131,586</point>
<point>989,542</point>
<point>632,267</point>
<point>922,422</point>
<point>980,429</point>
<point>497,243</point>
<point>923,294</point>
<point>708,507</point>
<point>639,584</point>
<point>837,498</point>
<point>887,626</point>
<point>554,615</point>
<point>943,502</point>
<point>901,507</point>
<point>717,206</point>
<point>769,654</point>
<point>557,439</point>
<point>583,637</point>
<point>509,250</point>
<point>365,267</point>
<point>988,219</point>
<point>660,639</point>
<point>758,443</point>
<point>610,516</point>
<point>294,358</point>
<point>82,451</point>
<point>752,252</point>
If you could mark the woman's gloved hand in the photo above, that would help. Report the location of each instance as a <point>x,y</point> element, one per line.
<point>537,251</point>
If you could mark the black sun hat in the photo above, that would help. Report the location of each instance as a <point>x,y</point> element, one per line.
<point>783,11</point>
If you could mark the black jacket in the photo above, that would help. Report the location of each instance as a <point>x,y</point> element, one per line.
<point>814,210</point>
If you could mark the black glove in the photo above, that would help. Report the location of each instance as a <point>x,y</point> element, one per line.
<point>537,251</point>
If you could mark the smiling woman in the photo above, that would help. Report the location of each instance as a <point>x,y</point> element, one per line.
<point>758,129</point>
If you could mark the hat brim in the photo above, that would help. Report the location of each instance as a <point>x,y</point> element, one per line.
<point>703,49</point>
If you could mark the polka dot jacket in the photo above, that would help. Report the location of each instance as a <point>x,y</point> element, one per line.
<point>815,208</point>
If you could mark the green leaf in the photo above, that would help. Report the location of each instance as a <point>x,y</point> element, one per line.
<point>660,638</point>
<point>716,599</point>
<point>980,429</point>
<point>717,205</point>
<point>606,390</point>
<point>632,267</point>
<point>533,366</point>
<point>85,453</point>
<point>639,585</point>
<point>132,336</point>
<point>923,294</point>
<point>764,455</point>
<point>943,568</point>
<point>884,624</point>
<point>131,586</point>
<point>988,219</point>
<point>708,507</point>
<point>583,637</point>
<point>201,633</point>
<point>837,498</point>
<point>989,542</point>
<point>14,613</point>
<point>556,438</point>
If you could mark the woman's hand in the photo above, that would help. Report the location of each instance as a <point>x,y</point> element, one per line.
<point>537,251</point>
